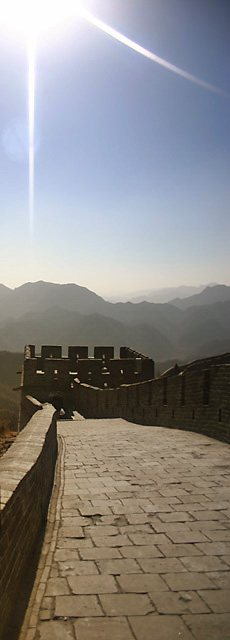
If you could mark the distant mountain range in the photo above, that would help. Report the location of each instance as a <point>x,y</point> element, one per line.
<point>167,294</point>
<point>159,295</point>
<point>47,313</point>
<point>210,295</point>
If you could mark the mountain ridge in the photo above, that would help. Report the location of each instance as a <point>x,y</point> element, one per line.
<point>209,295</point>
<point>41,312</point>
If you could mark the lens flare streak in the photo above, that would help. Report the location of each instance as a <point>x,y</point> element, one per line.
<point>145,52</point>
<point>78,10</point>
<point>31,108</point>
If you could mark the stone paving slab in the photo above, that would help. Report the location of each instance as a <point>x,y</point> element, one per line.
<point>138,537</point>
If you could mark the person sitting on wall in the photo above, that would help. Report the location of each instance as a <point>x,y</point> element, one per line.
<point>57,402</point>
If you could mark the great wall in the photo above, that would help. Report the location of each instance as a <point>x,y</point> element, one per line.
<point>194,397</point>
<point>105,392</point>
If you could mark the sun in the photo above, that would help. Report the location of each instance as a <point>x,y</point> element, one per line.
<point>33,16</point>
<point>30,18</point>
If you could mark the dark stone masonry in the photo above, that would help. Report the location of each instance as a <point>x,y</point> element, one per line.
<point>194,397</point>
<point>138,527</point>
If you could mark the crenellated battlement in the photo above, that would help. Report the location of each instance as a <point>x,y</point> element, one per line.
<point>49,372</point>
<point>193,396</point>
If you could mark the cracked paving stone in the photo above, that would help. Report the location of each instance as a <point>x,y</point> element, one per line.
<point>77,606</point>
<point>119,566</point>
<point>57,587</point>
<point>204,563</point>
<point>92,584</point>
<point>157,627</point>
<point>210,626</point>
<point>218,600</point>
<point>126,604</point>
<point>170,602</point>
<point>190,581</point>
<point>103,629</point>
<point>141,583</point>
<point>55,630</point>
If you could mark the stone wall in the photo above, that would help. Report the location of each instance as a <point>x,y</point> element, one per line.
<point>48,373</point>
<point>192,400</point>
<point>26,478</point>
<point>28,407</point>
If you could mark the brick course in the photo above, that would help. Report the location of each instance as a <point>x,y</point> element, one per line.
<point>146,403</point>
<point>26,478</point>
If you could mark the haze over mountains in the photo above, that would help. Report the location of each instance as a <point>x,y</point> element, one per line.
<point>47,313</point>
<point>159,295</point>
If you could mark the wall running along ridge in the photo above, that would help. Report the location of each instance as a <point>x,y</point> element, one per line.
<point>26,480</point>
<point>195,400</point>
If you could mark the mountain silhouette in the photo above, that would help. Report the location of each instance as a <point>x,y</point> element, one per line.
<point>48,313</point>
<point>210,295</point>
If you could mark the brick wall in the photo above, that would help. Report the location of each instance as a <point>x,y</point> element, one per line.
<point>193,400</point>
<point>28,407</point>
<point>45,374</point>
<point>26,478</point>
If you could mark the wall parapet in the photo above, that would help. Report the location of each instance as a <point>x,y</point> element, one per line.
<point>49,373</point>
<point>28,407</point>
<point>26,480</point>
<point>191,400</point>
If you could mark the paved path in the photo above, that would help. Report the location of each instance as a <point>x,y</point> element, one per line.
<point>138,537</point>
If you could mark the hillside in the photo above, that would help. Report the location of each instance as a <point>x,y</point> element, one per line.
<point>10,363</point>
<point>46,313</point>
<point>4,291</point>
<point>59,326</point>
<point>166,294</point>
<point>40,296</point>
<point>210,295</point>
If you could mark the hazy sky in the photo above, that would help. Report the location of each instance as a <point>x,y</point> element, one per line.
<point>132,164</point>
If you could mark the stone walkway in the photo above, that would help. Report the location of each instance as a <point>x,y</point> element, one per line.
<point>138,537</point>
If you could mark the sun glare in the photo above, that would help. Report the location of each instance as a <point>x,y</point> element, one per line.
<point>31,18</point>
<point>34,16</point>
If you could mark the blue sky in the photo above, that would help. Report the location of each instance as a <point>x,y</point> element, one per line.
<point>132,161</point>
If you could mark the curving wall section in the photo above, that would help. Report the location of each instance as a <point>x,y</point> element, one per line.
<point>26,479</point>
<point>194,400</point>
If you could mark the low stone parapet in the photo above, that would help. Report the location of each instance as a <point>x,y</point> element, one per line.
<point>26,479</point>
<point>29,406</point>
<point>196,400</point>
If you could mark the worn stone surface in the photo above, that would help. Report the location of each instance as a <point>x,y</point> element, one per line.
<point>160,627</point>
<point>137,546</point>
<point>211,626</point>
<point>103,629</point>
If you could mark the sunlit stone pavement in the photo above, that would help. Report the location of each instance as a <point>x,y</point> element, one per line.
<point>137,544</point>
